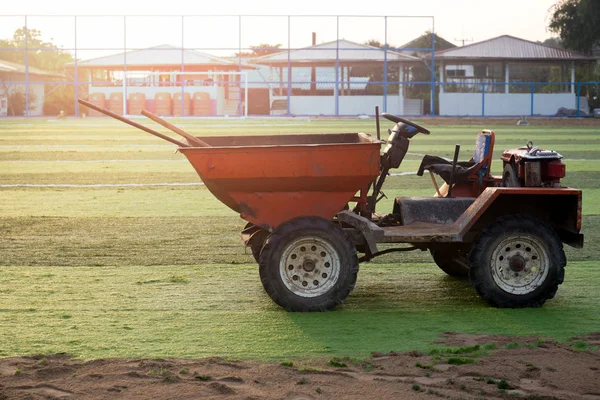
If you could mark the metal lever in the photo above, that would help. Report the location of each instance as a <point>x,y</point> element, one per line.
<point>377,122</point>
<point>132,123</point>
<point>454,161</point>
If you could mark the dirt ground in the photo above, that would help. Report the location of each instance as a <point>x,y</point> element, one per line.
<point>495,367</point>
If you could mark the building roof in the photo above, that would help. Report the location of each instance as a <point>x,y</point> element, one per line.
<point>509,48</point>
<point>326,53</point>
<point>15,68</point>
<point>153,56</point>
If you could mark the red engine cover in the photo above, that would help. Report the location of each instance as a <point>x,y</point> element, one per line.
<point>555,170</point>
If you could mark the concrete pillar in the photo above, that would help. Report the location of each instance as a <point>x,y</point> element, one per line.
<point>342,81</point>
<point>442,77</point>
<point>281,81</point>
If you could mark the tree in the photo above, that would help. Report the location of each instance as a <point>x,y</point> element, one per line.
<point>553,42</point>
<point>39,54</point>
<point>374,43</point>
<point>44,55</point>
<point>375,73</point>
<point>59,98</point>
<point>422,73</point>
<point>261,50</point>
<point>577,22</point>
<point>424,42</point>
<point>17,100</point>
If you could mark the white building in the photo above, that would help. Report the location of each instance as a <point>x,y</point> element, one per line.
<point>313,72</point>
<point>165,69</point>
<point>14,77</point>
<point>496,77</point>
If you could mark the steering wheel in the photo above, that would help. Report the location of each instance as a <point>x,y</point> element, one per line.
<point>397,120</point>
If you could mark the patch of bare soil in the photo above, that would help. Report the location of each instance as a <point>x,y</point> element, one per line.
<point>479,366</point>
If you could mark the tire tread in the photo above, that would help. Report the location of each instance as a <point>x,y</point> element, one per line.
<point>485,286</point>
<point>281,295</point>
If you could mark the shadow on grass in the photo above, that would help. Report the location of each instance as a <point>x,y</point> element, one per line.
<point>402,316</point>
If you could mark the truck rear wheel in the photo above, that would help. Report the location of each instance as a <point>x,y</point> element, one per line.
<point>308,264</point>
<point>451,262</point>
<point>517,262</point>
<point>510,175</point>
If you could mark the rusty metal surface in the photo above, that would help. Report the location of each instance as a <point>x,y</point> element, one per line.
<point>192,140</point>
<point>421,232</point>
<point>371,232</point>
<point>286,176</point>
<point>533,174</point>
<point>433,210</point>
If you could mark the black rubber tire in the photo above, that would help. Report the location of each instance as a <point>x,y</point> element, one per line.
<point>480,261</point>
<point>288,233</point>
<point>510,175</point>
<point>256,250</point>
<point>257,239</point>
<point>452,263</point>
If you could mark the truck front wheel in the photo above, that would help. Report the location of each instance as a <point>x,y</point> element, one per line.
<point>308,264</point>
<point>517,262</point>
<point>451,261</point>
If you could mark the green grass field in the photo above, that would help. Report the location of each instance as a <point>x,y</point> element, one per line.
<point>159,270</point>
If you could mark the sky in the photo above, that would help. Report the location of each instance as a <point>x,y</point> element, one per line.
<point>459,21</point>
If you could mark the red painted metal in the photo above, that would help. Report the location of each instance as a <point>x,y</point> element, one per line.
<point>483,202</point>
<point>555,170</point>
<point>286,176</point>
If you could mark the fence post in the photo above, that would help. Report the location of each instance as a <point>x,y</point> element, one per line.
<point>76,71</point>
<point>289,64</point>
<point>578,99</point>
<point>432,101</point>
<point>26,71</point>
<point>532,97</point>
<point>385,65</point>
<point>183,83</point>
<point>337,67</point>
<point>483,99</point>
<point>124,65</point>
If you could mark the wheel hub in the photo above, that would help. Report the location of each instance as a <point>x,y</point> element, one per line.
<point>309,266</point>
<point>517,263</point>
<point>520,264</point>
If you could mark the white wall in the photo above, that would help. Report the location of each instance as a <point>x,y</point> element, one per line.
<point>348,105</point>
<point>312,105</point>
<point>500,104</point>
<point>355,105</point>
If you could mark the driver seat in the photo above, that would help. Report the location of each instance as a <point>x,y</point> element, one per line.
<point>477,169</point>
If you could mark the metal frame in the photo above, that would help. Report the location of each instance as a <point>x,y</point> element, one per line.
<point>76,50</point>
<point>432,83</point>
